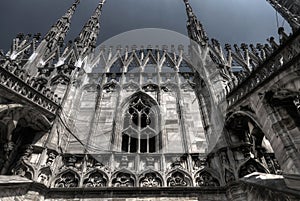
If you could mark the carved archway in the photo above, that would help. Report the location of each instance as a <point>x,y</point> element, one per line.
<point>45,175</point>
<point>179,178</point>
<point>206,178</point>
<point>95,178</point>
<point>24,169</point>
<point>140,121</point>
<point>67,179</point>
<point>278,104</point>
<point>123,178</point>
<point>24,127</point>
<point>150,179</point>
<point>250,142</point>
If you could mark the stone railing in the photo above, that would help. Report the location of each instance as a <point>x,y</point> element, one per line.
<point>23,88</point>
<point>283,57</point>
<point>127,169</point>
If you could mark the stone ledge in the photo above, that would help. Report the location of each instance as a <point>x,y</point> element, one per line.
<point>272,182</point>
<point>292,181</point>
<point>15,185</point>
<point>13,179</point>
<point>114,192</point>
<point>20,186</point>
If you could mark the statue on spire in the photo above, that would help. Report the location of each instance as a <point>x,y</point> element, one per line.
<point>60,29</point>
<point>87,38</point>
<point>49,47</point>
<point>195,28</point>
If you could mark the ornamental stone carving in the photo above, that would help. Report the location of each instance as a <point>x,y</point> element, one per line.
<point>224,158</point>
<point>51,158</point>
<point>206,179</point>
<point>44,175</point>
<point>150,88</point>
<point>67,180</point>
<point>43,178</point>
<point>199,163</point>
<point>74,162</point>
<point>229,176</point>
<point>111,86</point>
<point>122,179</point>
<point>297,102</point>
<point>150,180</point>
<point>178,179</point>
<point>248,169</point>
<point>23,170</point>
<point>8,148</point>
<point>28,150</point>
<point>95,179</point>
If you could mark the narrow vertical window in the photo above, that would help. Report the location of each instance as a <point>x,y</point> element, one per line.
<point>140,127</point>
<point>125,142</point>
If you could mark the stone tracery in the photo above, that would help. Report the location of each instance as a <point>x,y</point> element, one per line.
<point>68,179</point>
<point>95,179</point>
<point>204,178</point>
<point>122,179</point>
<point>150,179</point>
<point>178,178</point>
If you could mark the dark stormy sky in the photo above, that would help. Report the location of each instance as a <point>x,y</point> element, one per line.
<point>230,21</point>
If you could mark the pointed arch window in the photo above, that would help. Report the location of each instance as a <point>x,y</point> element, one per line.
<point>140,126</point>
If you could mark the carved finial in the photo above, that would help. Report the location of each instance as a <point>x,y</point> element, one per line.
<point>60,29</point>
<point>227,47</point>
<point>50,45</point>
<point>88,35</point>
<point>195,29</point>
<point>282,34</point>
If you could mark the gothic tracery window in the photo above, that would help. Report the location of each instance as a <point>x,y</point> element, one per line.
<point>140,127</point>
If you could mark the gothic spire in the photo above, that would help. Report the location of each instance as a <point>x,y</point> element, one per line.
<point>195,29</point>
<point>88,36</point>
<point>49,47</point>
<point>58,31</point>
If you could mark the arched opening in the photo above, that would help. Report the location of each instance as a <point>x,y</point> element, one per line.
<point>178,178</point>
<point>44,175</point>
<point>20,131</point>
<point>205,178</point>
<point>141,125</point>
<point>150,179</point>
<point>95,179</point>
<point>251,144</point>
<point>19,147</point>
<point>123,179</point>
<point>67,179</point>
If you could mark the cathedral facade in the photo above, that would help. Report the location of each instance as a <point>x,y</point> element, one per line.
<point>80,122</point>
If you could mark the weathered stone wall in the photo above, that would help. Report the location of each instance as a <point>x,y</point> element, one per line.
<point>96,117</point>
